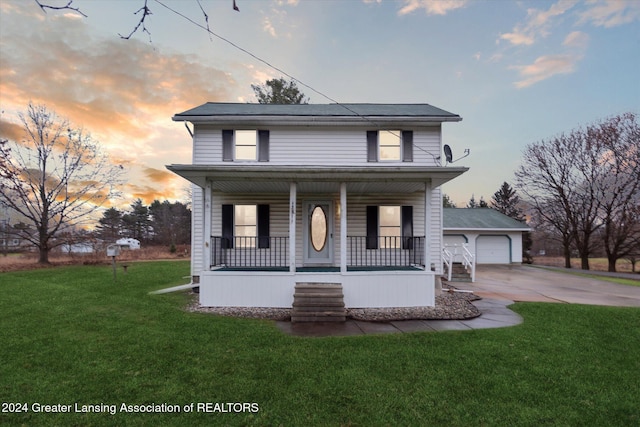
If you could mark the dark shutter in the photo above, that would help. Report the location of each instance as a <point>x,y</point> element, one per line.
<point>263,226</point>
<point>227,145</point>
<point>263,145</point>
<point>372,227</point>
<point>406,218</point>
<point>407,146</point>
<point>372,146</point>
<point>227,226</point>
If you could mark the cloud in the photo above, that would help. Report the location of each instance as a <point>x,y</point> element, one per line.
<point>611,13</point>
<point>268,27</point>
<point>576,40</point>
<point>545,67</point>
<point>124,92</point>
<point>538,24</point>
<point>159,176</point>
<point>431,7</point>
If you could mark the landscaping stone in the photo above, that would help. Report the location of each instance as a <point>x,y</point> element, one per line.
<point>450,305</point>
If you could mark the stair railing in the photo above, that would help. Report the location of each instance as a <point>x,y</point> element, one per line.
<point>469,261</point>
<point>447,258</point>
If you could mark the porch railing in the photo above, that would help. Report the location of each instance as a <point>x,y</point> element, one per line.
<point>273,252</point>
<point>249,252</point>
<point>385,251</point>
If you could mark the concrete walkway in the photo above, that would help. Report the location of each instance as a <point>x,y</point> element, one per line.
<point>499,286</point>
<point>495,314</point>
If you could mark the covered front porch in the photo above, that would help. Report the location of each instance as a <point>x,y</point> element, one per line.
<point>375,230</point>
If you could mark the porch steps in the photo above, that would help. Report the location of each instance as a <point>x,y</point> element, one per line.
<point>459,273</point>
<point>318,302</point>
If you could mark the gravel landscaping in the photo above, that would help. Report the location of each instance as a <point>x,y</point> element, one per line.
<point>449,306</point>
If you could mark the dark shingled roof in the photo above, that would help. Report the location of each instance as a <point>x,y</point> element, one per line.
<point>318,110</point>
<point>478,218</point>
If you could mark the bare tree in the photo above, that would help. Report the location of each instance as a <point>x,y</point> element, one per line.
<point>143,13</point>
<point>55,178</point>
<point>618,190</point>
<point>556,173</point>
<point>586,180</point>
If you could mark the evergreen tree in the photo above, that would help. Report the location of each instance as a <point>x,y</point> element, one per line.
<point>507,201</point>
<point>447,202</point>
<point>137,223</point>
<point>110,225</point>
<point>279,91</point>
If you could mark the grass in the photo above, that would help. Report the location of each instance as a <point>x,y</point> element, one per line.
<point>71,335</point>
<point>597,264</point>
<point>619,280</point>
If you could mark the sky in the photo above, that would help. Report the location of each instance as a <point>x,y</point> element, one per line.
<point>517,72</point>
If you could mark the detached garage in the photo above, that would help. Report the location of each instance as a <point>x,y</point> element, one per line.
<point>491,236</point>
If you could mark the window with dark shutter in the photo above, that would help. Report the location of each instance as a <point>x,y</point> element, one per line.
<point>407,227</point>
<point>372,227</point>
<point>227,145</point>
<point>263,145</point>
<point>372,146</point>
<point>407,146</point>
<point>227,226</point>
<point>263,226</point>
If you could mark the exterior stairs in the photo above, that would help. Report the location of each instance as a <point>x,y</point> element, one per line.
<point>318,302</point>
<point>459,273</point>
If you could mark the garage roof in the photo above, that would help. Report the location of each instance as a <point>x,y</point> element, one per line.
<point>480,219</point>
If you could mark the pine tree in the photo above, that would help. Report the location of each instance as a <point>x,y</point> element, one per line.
<point>447,202</point>
<point>507,201</point>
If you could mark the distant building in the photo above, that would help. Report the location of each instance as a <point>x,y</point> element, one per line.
<point>128,243</point>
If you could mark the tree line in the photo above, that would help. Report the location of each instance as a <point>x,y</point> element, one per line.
<point>161,223</point>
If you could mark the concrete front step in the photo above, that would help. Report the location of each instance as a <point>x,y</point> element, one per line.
<point>318,302</point>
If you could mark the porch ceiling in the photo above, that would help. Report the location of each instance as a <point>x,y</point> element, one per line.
<point>316,179</point>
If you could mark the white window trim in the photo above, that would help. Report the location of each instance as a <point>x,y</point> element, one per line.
<point>236,145</point>
<point>395,132</point>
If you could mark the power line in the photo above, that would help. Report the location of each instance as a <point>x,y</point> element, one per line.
<point>268,64</point>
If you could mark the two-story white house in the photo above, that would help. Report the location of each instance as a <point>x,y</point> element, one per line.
<point>333,193</point>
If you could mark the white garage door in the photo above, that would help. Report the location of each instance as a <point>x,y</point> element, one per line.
<point>454,240</point>
<point>493,250</point>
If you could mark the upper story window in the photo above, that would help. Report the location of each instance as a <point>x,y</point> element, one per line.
<point>389,146</point>
<point>245,145</point>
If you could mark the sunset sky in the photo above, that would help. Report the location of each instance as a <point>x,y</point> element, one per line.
<point>516,71</point>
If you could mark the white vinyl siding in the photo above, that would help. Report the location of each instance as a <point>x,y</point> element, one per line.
<point>316,146</point>
<point>197,230</point>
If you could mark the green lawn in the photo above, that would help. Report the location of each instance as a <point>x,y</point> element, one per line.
<point>72,336</point>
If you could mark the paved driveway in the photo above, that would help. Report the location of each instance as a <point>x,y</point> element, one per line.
<point>527,283</point>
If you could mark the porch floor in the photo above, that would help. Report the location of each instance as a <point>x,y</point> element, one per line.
<point>321,269</point>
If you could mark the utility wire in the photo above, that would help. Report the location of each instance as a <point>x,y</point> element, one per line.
<point>268,64</point>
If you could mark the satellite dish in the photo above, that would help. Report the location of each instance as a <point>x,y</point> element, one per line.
<point>448,154</point>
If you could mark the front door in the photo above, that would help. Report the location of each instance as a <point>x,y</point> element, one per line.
<point>318,233</point>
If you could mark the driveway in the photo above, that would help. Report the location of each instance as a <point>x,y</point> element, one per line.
<point>527,283</point>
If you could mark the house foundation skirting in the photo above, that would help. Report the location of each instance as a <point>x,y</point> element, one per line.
<point>275,289</point>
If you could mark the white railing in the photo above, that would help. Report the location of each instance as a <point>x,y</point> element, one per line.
<point>469,261</point>
<point>459,253</point>
<point>447,258</point>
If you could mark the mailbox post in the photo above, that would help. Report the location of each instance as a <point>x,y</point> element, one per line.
<point>113,251</point>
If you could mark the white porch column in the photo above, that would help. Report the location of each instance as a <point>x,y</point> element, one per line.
<point>427,225</point>
<point>292,226</point>
<point>206,255</point>
<point>343,227</point>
